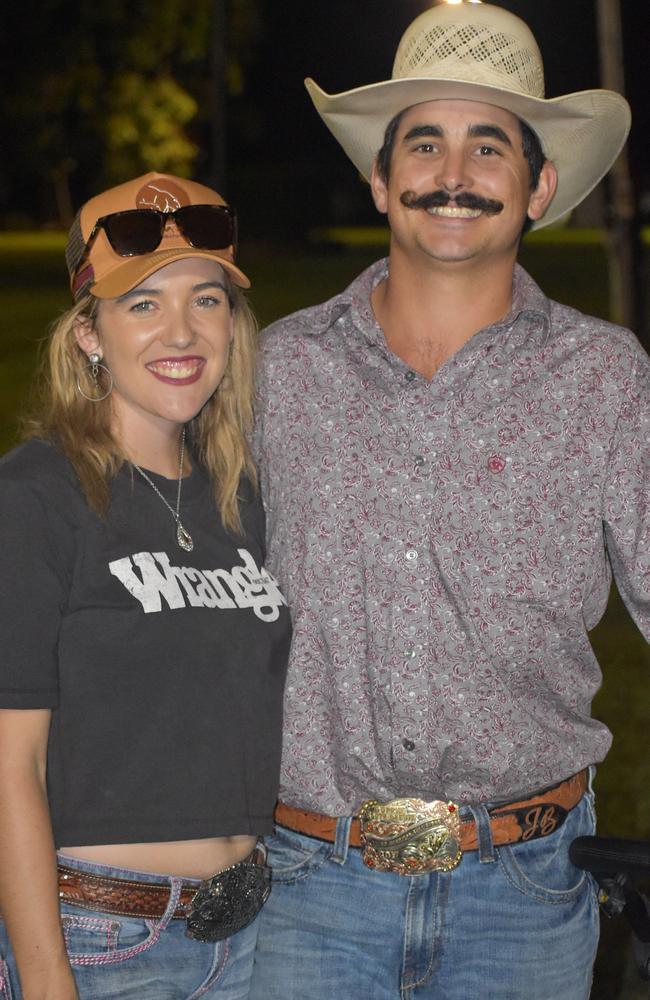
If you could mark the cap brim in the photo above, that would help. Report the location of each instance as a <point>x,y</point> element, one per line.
<point>132,270</point>
<point>581,133</point>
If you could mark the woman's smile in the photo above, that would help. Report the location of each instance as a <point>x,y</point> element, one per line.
<point>177,371</point>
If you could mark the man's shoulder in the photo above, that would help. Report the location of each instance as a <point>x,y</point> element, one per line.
<point>286,334</point>
<point>596,338</point>
<point>308,322</point>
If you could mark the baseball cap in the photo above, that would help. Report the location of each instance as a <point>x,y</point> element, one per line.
<point>105,254</point>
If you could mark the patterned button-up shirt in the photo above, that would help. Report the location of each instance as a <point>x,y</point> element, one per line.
<point>445,546</point>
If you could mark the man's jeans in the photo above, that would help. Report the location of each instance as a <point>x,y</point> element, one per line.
<point>510,923</point>
<point>127,958</point>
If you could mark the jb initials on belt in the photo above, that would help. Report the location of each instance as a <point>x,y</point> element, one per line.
<point>412,837</point>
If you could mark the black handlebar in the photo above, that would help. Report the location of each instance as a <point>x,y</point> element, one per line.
<point>612,856</point>
<point>614,862</point>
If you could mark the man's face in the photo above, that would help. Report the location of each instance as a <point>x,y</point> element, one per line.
<point>459,185</point>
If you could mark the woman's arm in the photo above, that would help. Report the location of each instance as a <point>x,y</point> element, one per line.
<point>29,899</point>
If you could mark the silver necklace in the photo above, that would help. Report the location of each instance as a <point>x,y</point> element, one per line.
<point>183,536</point>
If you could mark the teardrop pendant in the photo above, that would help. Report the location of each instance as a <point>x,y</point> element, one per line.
<point>183,537</point>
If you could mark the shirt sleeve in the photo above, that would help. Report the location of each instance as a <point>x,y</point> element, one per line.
<point>257,436</point>
<point>257,432</point>
<point>627,495</point>
<point>33,594</point>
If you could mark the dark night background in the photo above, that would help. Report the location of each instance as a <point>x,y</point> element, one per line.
<point>284,171</point>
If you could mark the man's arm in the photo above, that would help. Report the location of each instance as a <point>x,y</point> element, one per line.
<point>626,499</point>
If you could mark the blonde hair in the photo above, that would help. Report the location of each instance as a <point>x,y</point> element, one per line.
<point>82,429</point>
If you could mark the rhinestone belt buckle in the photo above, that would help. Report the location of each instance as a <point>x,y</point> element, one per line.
<point>410,836</point>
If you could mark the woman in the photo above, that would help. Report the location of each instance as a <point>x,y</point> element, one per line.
<point>144,645</point>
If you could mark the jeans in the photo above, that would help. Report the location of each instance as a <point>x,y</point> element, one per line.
<point>509,923</point>
<point>128,958</point>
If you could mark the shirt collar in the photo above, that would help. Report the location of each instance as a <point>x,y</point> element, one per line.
<point>530,306</point>
<point>529,316</point>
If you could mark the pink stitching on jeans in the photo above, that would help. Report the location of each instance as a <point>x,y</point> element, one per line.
<point>71,921</point>
<point>5,985</point>
<point>156,930</point>
<point>120,956</point>
<point>221,964</point>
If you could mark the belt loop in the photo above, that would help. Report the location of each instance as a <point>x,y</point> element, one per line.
<point>483,833</point>
<point>176,884</point>
<point>342,840</point>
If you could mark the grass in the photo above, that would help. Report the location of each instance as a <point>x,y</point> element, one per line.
<point>32,293</point>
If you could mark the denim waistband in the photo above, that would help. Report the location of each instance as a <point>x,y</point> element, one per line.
<point>110,871</point>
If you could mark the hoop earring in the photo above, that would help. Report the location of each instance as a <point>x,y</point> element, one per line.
<point>92,373</point>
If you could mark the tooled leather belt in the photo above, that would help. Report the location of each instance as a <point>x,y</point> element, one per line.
<point>129,897</point>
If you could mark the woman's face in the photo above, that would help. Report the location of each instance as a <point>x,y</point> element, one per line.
<point>166,343</point>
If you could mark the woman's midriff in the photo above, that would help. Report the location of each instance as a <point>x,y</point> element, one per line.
<point>186,858</point>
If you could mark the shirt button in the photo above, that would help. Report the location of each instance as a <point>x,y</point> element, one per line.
<point>409,376</point>
<point>411,554</point>
<point>408,744</point>
<point>419,460</point>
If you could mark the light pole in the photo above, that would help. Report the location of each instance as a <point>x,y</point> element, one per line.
<point>218,111</point>
<point>620,223</point>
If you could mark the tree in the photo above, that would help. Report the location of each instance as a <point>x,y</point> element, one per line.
<point>98,92</point>
<point>144,128</point>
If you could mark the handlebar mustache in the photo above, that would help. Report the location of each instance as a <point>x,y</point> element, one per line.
<point>438,199</point>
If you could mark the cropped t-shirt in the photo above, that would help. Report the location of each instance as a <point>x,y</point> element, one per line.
<point>164,669</point>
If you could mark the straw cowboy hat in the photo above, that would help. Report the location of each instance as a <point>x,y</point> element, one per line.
<point>479,52</point>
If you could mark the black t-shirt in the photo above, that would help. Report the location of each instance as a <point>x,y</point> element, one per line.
<point>164,668</point>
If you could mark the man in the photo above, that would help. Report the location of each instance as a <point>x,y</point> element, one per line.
<point>451,464</point>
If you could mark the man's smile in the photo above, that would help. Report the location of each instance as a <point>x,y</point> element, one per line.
<point>454,212</point>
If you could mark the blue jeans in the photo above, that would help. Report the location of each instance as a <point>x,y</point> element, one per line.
<point>127,958</point>
<point>509,923</point>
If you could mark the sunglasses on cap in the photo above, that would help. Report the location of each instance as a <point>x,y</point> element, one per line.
<point>140,231</point>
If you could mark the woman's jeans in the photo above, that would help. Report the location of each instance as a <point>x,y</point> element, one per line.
<point>128,958</point>
<point>509,923</point>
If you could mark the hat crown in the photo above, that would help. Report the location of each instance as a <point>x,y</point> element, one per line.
<point>475,43</point>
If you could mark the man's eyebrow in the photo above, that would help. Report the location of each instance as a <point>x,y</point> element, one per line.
<point>423,130</point>
<point>488,132</point>
<point>483,131</point>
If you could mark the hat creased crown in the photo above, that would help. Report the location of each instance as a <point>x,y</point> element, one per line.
<point>473,52</point>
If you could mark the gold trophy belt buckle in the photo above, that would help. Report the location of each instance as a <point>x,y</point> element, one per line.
<point>410,836</point>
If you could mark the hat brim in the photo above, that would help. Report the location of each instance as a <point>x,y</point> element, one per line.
<point>581,133</point>
<point>133,270</point>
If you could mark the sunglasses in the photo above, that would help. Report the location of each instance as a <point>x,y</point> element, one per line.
<point>140,230</point>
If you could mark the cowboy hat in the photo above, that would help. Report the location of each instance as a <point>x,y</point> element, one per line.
<point>479,52</point>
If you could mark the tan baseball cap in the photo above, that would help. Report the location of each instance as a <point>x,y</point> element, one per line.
<point>98,269</point>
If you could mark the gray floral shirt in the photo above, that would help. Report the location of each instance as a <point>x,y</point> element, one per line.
<point>446,546</point>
